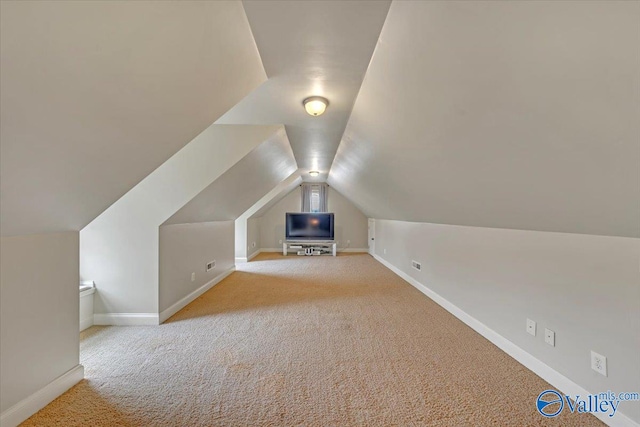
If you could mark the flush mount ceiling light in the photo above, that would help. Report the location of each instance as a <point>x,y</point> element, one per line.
<point>314,173</point>
<point>315,105</point>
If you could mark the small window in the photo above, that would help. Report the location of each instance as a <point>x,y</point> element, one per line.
<point>315,200</point>
<point>314,197</point>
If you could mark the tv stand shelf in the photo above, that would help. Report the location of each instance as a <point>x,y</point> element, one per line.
<point>309,247</point>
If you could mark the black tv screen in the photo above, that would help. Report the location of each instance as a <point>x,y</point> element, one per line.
<point>309,226</point>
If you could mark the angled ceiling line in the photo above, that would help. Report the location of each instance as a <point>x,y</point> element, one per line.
<point>329,61</point>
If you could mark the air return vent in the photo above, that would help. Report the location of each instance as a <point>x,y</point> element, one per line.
<point>416,265</point>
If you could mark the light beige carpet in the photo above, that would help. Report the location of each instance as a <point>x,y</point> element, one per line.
<point>302,341</point>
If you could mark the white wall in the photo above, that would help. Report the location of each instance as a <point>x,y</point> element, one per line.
<point>86,309</point>
<point>185,249</point>
<point>119,249</point>
<point>585,288</point>
<point>350,223</point>
<point>240,239</point>
<point>243,244</point>
<point>272,221</point>
<point>39,312</point>
<point>253,236</point>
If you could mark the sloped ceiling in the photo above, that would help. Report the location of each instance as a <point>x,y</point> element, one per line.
<point>500,114</point>
<point>242,185</point>
<point>278,194</point>
<point>310,48</point>
<point>96,95</point>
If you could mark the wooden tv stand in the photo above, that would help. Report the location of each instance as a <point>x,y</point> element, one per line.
<point>309,247</point>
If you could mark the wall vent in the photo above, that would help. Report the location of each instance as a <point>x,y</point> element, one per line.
<point>416,265</point>
<point>211,265</point>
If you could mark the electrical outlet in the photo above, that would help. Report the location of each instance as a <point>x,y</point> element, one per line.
<point>253,244</point>
<point>531,327</point>
<point>384,251</point>
<point>193,277</point>
<point>280,241</point>
<point>210,265</point>
<point>550,337</point>
<point>598,363</point>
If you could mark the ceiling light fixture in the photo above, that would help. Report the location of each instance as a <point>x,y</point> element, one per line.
<point>314,173</point>
<point>315,105</point>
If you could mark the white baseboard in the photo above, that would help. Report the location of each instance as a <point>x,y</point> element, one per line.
<point>271,249</point>
<point>353,250</point>
<point>86,323</point>
<point>41,398</point>
<point>126,319</point>
<point>541,369</point>
<point>249,258</point>
<point>164,315</point>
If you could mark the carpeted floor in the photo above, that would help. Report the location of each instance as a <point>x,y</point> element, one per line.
<point>302,341</point>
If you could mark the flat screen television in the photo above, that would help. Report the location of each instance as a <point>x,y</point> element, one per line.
<point>309,226</point>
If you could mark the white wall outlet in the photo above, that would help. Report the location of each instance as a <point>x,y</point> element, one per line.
<point>598,363</point>
<point>550,337</point>
<point>384,251</point>
<point>193,277</point>
<point>280,241</point>
<point>531,327</point>
<point>211,265</point>
<point>253,244</point>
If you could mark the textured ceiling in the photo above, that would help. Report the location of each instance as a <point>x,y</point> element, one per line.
<point>500,114</point>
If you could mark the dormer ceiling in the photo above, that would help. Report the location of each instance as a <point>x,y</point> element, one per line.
<point>242,185</point>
